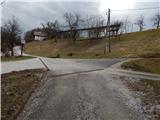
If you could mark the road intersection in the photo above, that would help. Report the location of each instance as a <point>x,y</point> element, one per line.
<point>81,89</point>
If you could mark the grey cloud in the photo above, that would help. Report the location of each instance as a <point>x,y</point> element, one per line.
<point>31,14</point>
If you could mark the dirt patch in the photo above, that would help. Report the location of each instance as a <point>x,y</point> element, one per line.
<point>148,91</point>
<point>16,89</point>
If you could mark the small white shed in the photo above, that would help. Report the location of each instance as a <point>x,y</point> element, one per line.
<point>39,36</point>
<point>17,50</point>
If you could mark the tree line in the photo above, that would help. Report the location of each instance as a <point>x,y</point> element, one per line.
<point>75,21</point>
<point>11,30</point>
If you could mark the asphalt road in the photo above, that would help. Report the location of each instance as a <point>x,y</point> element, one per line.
<point>66,66</point>
<point>10,66</point>
<point>81,90</point>
<point>58,66</point>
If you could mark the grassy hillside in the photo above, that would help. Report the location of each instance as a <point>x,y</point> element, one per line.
<point>138,44</point>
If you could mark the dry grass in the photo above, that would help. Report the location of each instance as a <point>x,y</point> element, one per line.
<point>16,89</point>
<point>130,45</point>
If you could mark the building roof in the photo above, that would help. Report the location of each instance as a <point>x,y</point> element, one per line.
<point>42,34</point>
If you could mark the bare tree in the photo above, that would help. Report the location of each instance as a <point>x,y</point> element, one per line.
<point>50,28</point>
<point>125,26</point>
<point>51,25</point>
<point>140,22</point>
<point>117,23</point>
<point>29,35</point>
<point>10,32</point>
<point>156,20</point>
<point>90,22</point>
<point>99,23</point>
<point>73,20</point>
<point>93,21</point>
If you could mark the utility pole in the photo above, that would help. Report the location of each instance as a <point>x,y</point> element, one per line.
<point>109,35</point>
<point>108,42</point>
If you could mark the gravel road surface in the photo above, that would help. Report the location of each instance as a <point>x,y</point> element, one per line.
<point>81,90</point>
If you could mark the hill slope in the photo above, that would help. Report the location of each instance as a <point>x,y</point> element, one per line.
<point>138,44</point>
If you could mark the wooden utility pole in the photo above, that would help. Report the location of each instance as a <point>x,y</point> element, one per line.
<point>108,44</point>
<point>109,35</point>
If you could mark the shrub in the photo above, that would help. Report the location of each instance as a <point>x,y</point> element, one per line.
<point>70,54</point>
<point>96,54</point>
<point>58,56</point>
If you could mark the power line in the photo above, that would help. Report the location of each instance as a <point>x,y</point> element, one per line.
<point>136,9</point>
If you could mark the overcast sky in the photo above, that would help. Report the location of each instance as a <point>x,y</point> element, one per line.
<point>30,13</point>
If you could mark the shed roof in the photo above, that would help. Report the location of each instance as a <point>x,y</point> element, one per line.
<point>42,34</point>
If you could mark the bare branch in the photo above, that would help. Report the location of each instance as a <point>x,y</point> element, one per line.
<point>156,20</point>
<point>140,22</point>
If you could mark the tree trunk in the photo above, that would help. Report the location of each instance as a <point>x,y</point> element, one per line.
<point>158,24</point>
<point>12,52</point>
<point>22,46</point>
<point>74,37</point>
<point>140,28</point>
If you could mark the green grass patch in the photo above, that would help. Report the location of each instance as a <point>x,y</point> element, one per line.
<point>145,65</point>
<point>15,58</point>
<point>12,77</point>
